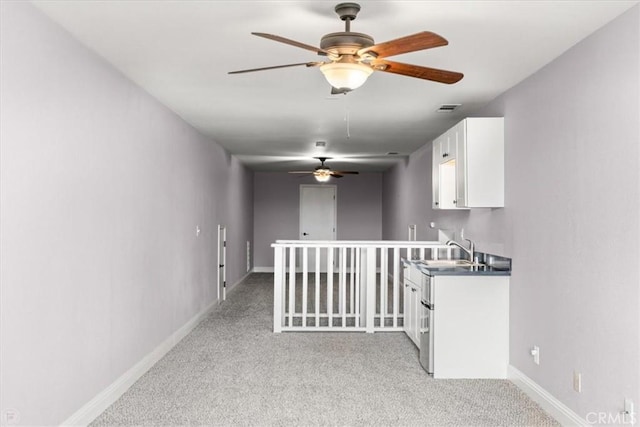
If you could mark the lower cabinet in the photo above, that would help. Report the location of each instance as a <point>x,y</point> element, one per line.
<point>469,322</point>
<point>471,327</point>
<point>412,311</point>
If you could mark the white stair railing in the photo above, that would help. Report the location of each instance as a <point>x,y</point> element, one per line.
<point>350,286</point>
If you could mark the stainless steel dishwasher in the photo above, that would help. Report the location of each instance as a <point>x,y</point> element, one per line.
<point>426,323</point>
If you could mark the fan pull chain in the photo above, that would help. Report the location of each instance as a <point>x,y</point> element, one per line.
<point>346,117</point>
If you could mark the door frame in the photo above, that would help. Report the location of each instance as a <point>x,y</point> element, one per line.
<point>222,261</point>
<point>335,207</point>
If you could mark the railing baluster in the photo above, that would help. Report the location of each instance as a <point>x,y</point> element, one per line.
<point>317,270</point>
<point>396,283</point>
<point>278,281</point>
<point>358,303</point>
<point>351,279</point>
<point>330,285</point>
<point>384,285</point>
<point>370,288</point>
<point>292,284</point>
<point>343,286</point>
<point>305,280</point>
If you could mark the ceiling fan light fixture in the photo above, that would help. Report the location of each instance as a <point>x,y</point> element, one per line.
<point>346,75</point>
<point>322,175</point>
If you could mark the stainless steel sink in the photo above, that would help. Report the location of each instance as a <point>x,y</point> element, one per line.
<point>443,263</point>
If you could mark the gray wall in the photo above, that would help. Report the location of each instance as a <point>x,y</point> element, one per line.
<point>101,192</point>
<point>277,209</point>
<point>571,221</point>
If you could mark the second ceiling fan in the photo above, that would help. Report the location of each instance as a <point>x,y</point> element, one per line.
<point>322,173</point>
<point>353,57</point>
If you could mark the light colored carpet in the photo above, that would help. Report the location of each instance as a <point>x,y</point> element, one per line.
<point>232,370</point>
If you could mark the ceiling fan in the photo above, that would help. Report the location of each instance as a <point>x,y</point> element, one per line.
<point>322,173</point>
<point>353,57</point>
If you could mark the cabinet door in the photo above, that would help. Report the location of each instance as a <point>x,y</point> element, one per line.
<point>435,174</point>
<point>449,146</point>
<point>416,315</point>
<point>460,136</point>
<point>484,146</point>
<point>411,318</point>
<point>444,171</point>
<point>406,322</point>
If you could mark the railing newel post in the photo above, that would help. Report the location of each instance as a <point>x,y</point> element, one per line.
<point>370,287</point>
<point>277,290</point>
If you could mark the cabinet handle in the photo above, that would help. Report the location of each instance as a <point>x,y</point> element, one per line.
<point>413,289</point>
<point>437,203</point>
<point>445,154</point>
<point>455,202</point>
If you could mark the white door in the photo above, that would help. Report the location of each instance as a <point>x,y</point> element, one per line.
<point>318,218</point>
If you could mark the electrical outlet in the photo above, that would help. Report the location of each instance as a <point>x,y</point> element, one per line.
<point>577,381</point>
<point>535,353</point>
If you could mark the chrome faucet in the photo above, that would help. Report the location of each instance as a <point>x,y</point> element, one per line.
<point>471,251</point>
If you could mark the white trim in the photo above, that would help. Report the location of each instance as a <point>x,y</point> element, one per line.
<point>271,270</point>
<point>222,262</point>
<point>426,244</point>
<point>548,402</point>
<point>96,406</point>
<point>263,269</point>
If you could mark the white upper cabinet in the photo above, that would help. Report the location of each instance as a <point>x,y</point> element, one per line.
<point>468,165</point>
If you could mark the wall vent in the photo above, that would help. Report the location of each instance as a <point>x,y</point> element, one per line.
<point>447,108</point>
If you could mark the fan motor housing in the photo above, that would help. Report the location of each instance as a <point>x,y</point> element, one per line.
<point>347,10</point>
<point>346,42</point>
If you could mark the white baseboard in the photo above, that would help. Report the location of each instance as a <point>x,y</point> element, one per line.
<point>240,280</point>
<point>262,269</point>
<point>553,406</point>
<point>96,406</point>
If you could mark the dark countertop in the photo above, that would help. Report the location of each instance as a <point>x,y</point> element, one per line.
<point>490,265</point>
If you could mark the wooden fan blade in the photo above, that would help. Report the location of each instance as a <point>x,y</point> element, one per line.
<point>307,172</point>
<point>412,43</point>
<point>426,73</point>
<point>347,172</point>
<point>293,43</point>
<point>336,175</point>
<point>308,64</point>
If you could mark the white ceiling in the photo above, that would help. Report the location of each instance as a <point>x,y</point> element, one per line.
<point>181,51</point>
